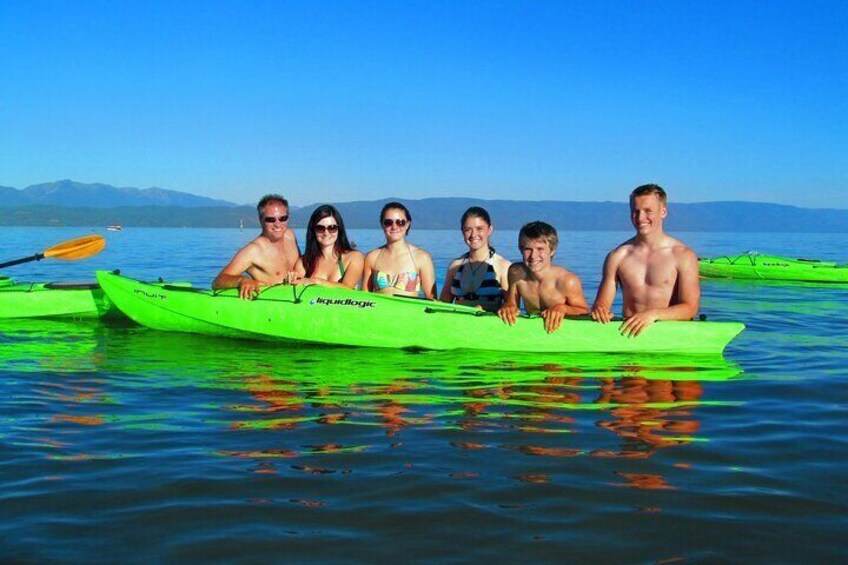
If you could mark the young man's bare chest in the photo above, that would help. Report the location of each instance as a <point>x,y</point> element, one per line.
<point>657,269</point>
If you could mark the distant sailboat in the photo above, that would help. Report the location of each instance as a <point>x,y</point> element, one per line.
<point>241,225</point>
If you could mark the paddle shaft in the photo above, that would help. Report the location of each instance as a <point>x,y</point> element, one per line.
<point>36,257</point>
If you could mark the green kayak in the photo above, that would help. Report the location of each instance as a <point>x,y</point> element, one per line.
<point>52,300</point>
<point>57,300</point>
<point>753,265</point>
<point>6,281</point>
<point>336,316</point>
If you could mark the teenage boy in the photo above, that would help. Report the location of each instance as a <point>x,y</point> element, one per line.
<point>657,273</point>
<point>550,290</point>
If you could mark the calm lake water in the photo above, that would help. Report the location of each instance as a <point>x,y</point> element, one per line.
<point>121,444</point>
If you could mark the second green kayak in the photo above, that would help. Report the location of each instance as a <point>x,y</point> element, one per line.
<point>754,266</point>
<point>79,300</point>
<point>336,316</point>
<point>53,300</point>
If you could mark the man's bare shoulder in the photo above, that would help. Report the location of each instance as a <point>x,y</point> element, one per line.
<point>683,254</point>
<point>678,247</point>
<point>622,250</point>
<point>558,272</point>
<point>260,241</point>
<point>564,276</point>
<point>254,246</point>
<point>517,271</point>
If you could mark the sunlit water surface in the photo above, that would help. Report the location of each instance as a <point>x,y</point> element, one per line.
<point>121,444</point>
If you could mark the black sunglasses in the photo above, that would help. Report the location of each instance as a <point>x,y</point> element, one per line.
<point>332,228</point>
<point>272,219</point>
<point>387,223</point>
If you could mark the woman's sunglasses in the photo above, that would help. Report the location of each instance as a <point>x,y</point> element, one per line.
<point>332,228</point>
<point>272,219</point>
<point>387,223</point>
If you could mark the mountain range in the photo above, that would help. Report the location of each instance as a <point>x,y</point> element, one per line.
<point>69,203</point>
<point>69,193</point>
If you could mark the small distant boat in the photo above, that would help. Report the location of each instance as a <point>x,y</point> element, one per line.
<point>114,228</point>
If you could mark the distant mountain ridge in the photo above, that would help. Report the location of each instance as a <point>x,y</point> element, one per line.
<point>96,195</point>
<point>93,205</point>
<point>445,213</point>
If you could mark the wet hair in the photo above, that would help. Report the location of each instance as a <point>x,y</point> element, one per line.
<point>398,206</point>
<point>269,198</point>
<point>313,250</point>
<point>539,230</point>
<point>646,189</point>
<point>478,212</point>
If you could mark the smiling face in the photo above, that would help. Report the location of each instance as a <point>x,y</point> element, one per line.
<point>476,232</point>
<point>327,231</point>
<point>536,253</point>
<point>395,224</point>
<point>274,219</point>
<point>647,213</point>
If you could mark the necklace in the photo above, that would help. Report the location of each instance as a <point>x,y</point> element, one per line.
<point>473,272</point>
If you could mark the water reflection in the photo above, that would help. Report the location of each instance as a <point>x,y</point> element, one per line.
<point>648,415</point>
<point>287,403</point>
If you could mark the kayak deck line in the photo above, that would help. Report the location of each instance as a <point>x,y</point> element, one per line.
<point>315,314</point>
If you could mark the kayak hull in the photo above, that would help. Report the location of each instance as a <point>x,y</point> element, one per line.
<point>754,266</point>
<point>53,300</point>
<point>334,316</point>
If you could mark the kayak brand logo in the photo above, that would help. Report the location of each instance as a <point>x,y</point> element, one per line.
<point>146,294</point>
<point>342,302</point>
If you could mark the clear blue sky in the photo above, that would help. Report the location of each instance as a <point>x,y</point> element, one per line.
<point>332,101</point>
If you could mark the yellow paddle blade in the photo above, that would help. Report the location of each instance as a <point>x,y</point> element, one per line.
<point>79,248</point>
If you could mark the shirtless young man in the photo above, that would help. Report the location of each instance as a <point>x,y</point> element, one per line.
<point>658,274</point>
<point>551,290</point>
<point>269,257</point>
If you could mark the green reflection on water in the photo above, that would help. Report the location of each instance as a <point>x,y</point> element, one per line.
<point>647,401</point>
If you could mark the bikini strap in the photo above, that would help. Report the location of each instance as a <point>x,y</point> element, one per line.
<point>341,267</point>
<point>411,256</point>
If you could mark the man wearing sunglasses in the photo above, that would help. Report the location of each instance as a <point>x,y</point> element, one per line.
<point>268,258</point>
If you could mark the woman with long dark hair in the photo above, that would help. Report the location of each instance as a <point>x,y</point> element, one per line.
<point>329,258</point>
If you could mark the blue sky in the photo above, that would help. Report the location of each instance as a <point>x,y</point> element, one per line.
<point>334,101</point>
